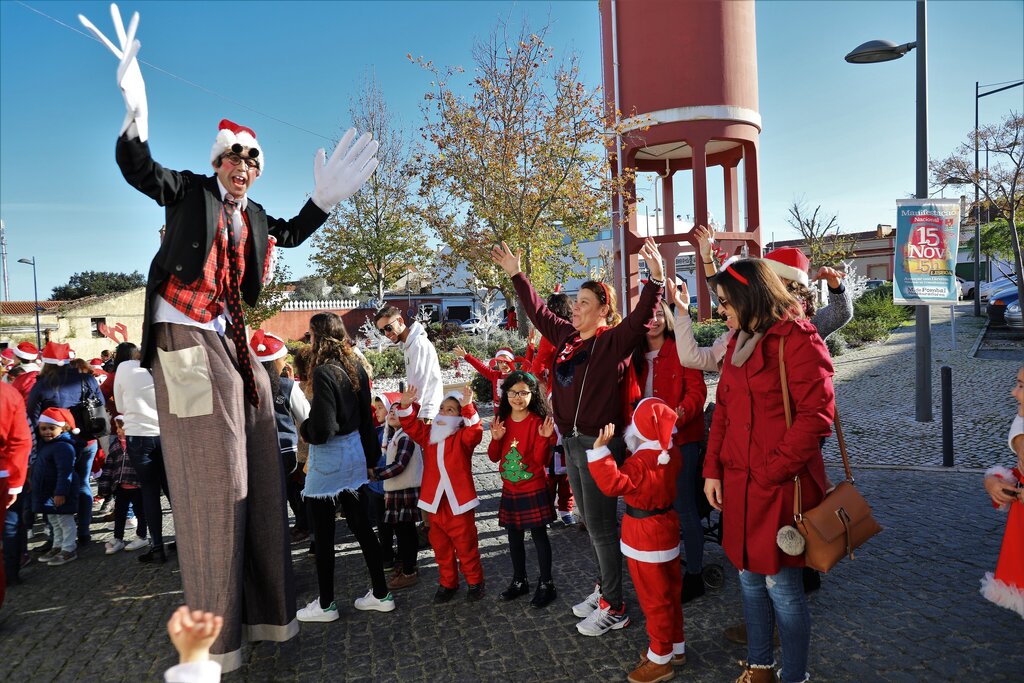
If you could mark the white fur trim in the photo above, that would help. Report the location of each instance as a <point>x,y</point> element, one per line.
<point>403,412</point>
<point>1003,594</point>
<point>46,419</point>
<point>999,471</point>
<point>54,361</point>
<point>787,272</point>
<point>658,659</point>
<point>25,356</point>
<point>595,454</point>
<point>650,556</point>
<point>472,419</point>
<point>76,430</point>
<point>679,648</point>
<point>226,138</point>
<point>503,353</point>
<point>445,488</point>
<point>14,490</point>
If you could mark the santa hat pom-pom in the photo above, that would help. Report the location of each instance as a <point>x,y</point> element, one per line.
<point>663,458</point>
<point>261,348</point>
<point>76,430</point>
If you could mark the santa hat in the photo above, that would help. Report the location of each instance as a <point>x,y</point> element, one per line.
<point>267,347</point>
<point>26,351</point>
<point>388,398</point>
<point>119,418</point>
<point>654,423</point>
<point>789,263</point>
<point>240,140</point>
<point>505,354</point>
<point>96,364</point>
<point>57,354</point>
<point>7,356</point>
<point>60,417</point>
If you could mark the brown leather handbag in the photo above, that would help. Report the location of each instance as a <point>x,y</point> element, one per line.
<point>842,522</point>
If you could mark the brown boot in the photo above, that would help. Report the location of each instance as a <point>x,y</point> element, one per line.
<point>398,580</point>
<point>649,672</point>
<point>677,660</point>
<point>738,634</point>
<point>757,673</point>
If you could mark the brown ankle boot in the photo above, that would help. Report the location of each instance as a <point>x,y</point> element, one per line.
<point>738,634</point>
<point>757,673</point>
<point>649,672</point>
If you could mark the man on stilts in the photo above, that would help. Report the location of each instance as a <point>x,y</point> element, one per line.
<point>217,423</point>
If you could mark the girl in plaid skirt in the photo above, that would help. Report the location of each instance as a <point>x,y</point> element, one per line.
<point>120,480</point>
<point>402,475</point>
<point>522,436</point>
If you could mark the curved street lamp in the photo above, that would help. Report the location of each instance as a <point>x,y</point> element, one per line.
<point>35,291</point>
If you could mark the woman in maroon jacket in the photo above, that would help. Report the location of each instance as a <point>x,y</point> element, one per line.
<point>660,374</point>
<point>752,457</point>
<point>591,360</point>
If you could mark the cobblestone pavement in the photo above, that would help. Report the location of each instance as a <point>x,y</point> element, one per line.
<point>907,609</point>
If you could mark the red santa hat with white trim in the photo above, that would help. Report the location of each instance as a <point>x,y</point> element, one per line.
<point>233,138</point>
<point>789,263</point>
<point>267,347</point>
<point>57,354</point>
<point>654,423</point>
<point>26,351</point>
<point>7,356</point>
<point>388,398</point>
<point>504,354</point>
<point>59,416</point>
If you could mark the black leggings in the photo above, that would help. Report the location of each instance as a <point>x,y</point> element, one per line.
<point>408,543</point>
<point>321,514</point>
<point>517,548</point>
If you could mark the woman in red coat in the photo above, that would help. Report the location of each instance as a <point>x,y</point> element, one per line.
<point>752,457</point>
<point>660,375</point>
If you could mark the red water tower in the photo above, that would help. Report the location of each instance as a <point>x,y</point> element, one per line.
<point>681,83</point>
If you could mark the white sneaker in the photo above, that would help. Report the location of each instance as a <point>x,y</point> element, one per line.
<point>138,544</point>
<point>114,546</point>
<point>587,607</point>
<point>313,612</point>
<point>369,602</point>
<point>132,523</point>
<point>602,620</point>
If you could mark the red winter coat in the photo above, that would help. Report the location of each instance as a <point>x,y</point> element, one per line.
<point>24,383</point>
<point>447,466</point>
<point>15,439</point>
<point>752,452</point>
<point>680,388</point>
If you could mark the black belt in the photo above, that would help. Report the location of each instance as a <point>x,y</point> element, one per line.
<point>638,513</point>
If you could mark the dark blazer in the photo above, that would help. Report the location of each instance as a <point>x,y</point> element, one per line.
<point>193,205</point>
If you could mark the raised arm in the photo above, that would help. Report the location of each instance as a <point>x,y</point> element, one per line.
<point>839,310</point>
<point>549,324</point>
<point>690,355</point>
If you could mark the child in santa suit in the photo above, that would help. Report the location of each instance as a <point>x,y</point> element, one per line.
<point>496,371</point>
<point>447,492</point>
<point>650,529</point>
<point>1006,488</point>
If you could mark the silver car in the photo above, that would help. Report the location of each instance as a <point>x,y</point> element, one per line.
<point>1013,316</point>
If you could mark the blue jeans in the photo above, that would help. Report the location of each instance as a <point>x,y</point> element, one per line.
<point>15,536</point>
<point>780,596</point>
<point>83,465</point>
<point>686,507</point>
<point>148,461</point>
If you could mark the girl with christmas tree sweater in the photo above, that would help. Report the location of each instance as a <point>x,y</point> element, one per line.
<point>522,436</point>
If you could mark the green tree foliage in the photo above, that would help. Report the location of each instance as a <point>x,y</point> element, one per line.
<point>376,236</point>
<point>272,296</point>
<point>97,283</point>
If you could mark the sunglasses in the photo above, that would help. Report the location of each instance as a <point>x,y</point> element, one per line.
<point>388,329</point>
<point>237,160</point>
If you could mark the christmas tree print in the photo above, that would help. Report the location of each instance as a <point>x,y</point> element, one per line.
<point>512,468</point>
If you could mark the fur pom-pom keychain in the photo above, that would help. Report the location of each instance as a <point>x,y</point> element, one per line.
<point>790,541</point>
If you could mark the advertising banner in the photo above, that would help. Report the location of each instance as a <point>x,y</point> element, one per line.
<point>927,235</point>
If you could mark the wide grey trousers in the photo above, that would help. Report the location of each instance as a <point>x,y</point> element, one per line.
<point>227,486</point>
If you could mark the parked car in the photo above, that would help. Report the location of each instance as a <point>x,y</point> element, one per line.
<point>998,302</point>
<point>966,288</point>
<point>874,284</point>
<point>1013,316</point>
<point>990,288</point>
<point>959,288</point>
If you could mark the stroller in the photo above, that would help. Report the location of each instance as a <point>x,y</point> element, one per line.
<point>711,519</point>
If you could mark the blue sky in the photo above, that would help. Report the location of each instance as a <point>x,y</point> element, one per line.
<point>836,134</point>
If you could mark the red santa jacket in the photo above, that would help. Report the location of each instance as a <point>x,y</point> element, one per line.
<point>647,485</point>
<point>492,374</point>
<point>753,453</point>
<point>680,388</point>
<point>447,466</point>
<point>26,380</point>
<point>15,439</point>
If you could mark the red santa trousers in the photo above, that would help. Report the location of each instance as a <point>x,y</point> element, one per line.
<point>454,540</point>
<point>4,488</point>
<point>658,587</point>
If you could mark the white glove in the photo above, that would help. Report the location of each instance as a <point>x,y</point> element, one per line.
<point>345,172</point>
<point>129,77</point>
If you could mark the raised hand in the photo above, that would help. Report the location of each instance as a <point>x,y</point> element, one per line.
<point>705,241</point>
<point>467,395</point>
<point>349,167</point>
<point>506,260</point>
<point>831,275</point>
<point>497,429</point>
<point>129,77</point>
<point>409,396</point>
<point>192,632</point>
<point>652,257</point>
<point>459,351</point>
<point>680,295</point>
<point>547,427</point>
<point>604,436</point>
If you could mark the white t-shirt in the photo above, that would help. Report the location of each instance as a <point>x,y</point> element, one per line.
<point>135,396</point>
<point>649,384</point>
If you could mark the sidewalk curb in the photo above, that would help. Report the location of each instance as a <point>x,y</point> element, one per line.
<point>957,469</point>
<point>977,342</point>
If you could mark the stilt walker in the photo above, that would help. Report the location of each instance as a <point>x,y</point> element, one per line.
<point>217,423</point>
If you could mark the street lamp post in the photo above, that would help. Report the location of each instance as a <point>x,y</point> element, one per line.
<point>35,292</point>
<point>977,182</point>
<point>884,51</point>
